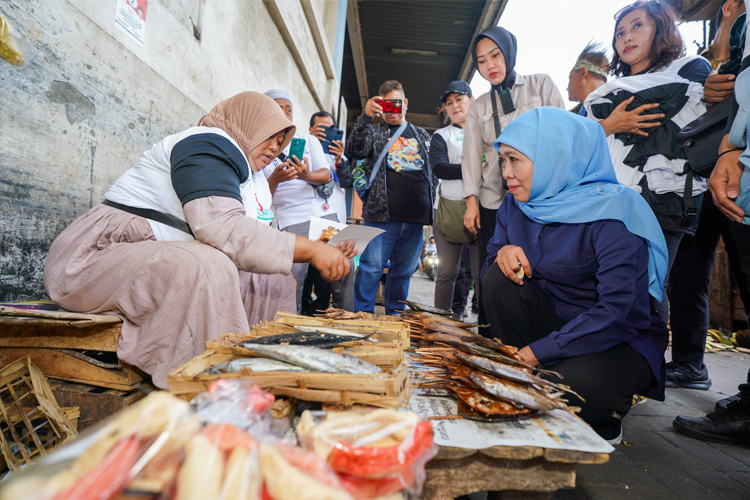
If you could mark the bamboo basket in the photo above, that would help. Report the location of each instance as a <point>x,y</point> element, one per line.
<point>31,422</point>
<point>387,390</point>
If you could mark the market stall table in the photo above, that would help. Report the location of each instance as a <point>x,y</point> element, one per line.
<point>514,472</point>
<point>529,459</point>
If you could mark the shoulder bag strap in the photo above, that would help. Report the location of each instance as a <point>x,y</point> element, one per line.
<point>147,213</point>
<point>498,128</point>
<point>384,152</point>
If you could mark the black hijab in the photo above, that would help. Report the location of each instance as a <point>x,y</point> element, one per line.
<point>507,44</point>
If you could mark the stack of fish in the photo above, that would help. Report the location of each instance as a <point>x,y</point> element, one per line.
<point>489,379</point>
<point>301,351</point>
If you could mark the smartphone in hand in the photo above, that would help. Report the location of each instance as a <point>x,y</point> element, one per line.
<point>332,134</point>
<point>297,149</point>
<point>391,105</point>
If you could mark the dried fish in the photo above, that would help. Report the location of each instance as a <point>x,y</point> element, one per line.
<point>314,339</point>
<point>333,331</point>
<point>486,403</point>
<point>507,350</point>
<point>477,350</point>
<point>520,394</point>
<point>318,360</point>
<point>254,364</point>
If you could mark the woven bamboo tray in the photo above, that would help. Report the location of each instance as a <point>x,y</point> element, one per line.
<point>388,389</point>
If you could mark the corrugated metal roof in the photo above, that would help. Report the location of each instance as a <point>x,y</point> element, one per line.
<point>445,27</point>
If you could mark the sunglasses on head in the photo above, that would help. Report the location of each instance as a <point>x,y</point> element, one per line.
<point>631,7</point>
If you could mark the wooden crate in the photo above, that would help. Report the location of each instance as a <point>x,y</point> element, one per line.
<point>387,389</point>
<point>57,334</point>
<point>387,356</point>
<point>31,423</point>
<point>94,403</point>
<point>57,364</point>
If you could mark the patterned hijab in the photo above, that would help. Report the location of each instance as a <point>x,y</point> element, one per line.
<point>250,118</point>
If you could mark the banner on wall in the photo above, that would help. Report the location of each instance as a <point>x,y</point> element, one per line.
<point>130,18</point>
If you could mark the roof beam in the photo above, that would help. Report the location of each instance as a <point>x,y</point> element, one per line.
<point>278,19</point>
<point>358,54</point>
<point>317,30</point>
<point>490,16</point>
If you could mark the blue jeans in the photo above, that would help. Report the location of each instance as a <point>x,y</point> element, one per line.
<point>401,243</point>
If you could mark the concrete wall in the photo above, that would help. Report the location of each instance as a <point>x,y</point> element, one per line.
<point>91,101</point>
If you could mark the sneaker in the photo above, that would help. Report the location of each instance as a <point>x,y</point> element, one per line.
<point>687,376</point>
<point>638,400</point>
<point>731,425</point>
<point>722,404</point>
<point>611,435</point>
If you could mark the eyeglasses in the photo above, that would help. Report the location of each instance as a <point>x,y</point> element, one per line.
<point>632,6</point>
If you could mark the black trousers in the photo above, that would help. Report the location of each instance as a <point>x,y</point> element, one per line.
<point>607,380</point>
<point>691,273</point>
<point>463,282</point>
<point>323,292</point>
<point>487,219</point>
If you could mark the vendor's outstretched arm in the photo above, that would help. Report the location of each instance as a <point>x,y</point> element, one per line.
<point>254,247</point>
<point>623,308</point>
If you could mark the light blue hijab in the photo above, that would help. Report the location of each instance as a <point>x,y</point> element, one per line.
<point>574,181</point>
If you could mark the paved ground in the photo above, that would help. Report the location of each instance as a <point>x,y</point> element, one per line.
<point>657,462</point>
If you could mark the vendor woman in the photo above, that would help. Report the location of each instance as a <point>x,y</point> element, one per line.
<point>576,265</point>
<point>182,249</point>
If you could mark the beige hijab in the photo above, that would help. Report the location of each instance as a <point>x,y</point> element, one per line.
<point>250,118</point>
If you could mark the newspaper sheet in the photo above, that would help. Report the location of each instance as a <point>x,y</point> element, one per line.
<point>556,430</point>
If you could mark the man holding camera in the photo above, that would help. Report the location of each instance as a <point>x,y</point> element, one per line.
<point>399,195</point>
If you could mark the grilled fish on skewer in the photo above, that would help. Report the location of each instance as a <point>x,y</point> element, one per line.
<point>319,360</point>
<point>434,326</point>
<point>510,373</point>
<point>520,394</point>
<point>507,350</point>
<point>486,403</point>
<point>430,309</point>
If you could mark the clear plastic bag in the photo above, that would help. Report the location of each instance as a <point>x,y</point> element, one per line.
<point>242,403</point>
<point>142,446</point>
<point>374,453</point>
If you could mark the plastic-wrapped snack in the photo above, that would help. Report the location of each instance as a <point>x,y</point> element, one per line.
<point>239,402</point>
<point>221,463</point>
<point>294,474</point>
<point>375,453</point>
<point>144,443</point>
<point>10,44</point>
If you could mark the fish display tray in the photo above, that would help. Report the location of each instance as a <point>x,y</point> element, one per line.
<point>386,356</point>
<point>386,390</point>
<point>386,331</point>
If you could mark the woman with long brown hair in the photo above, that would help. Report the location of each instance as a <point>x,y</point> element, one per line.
<point>659,91</point>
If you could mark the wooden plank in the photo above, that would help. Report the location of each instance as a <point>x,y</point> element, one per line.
<point>448,479</point>
<point>55,334</point>
<point>575,457</point>
<point>56,364</point>
<point>94,403</point>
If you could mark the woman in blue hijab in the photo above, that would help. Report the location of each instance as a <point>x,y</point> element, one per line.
<point>576,265</point>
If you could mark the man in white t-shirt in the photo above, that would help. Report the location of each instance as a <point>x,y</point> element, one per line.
<point>342,291</point>
<point>294,197</point>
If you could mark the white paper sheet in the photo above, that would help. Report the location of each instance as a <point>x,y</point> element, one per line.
<point>318,225</point>
<point>557,429</point>
<point>360,235</point>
